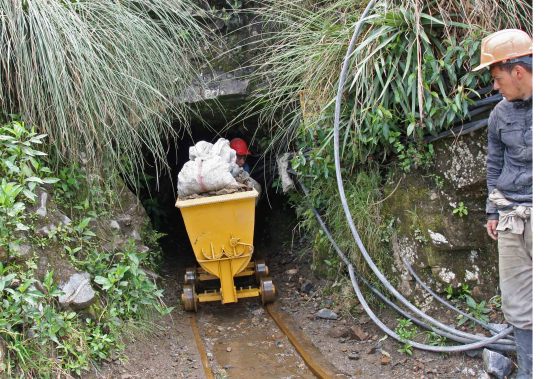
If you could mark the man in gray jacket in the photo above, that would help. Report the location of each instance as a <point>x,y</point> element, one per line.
<point>508,55</point>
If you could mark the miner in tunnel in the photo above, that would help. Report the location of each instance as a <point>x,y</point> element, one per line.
<point>241,148</point>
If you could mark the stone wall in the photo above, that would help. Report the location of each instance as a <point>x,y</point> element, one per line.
<point>223,84</point>
<point>443,247</point>
<point>126,221</point>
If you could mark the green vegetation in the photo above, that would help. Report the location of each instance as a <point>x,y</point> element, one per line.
<point>407,331</point>
<point>461,296</point>
<point>99,77</point>
<point>460,209</point>
<point>102,80</point>
<point>457,293</point>
<point>439,181</point>
<point>478,310</point>
<point>409,76</point>
<point>40,338</point>
<point>435,339</point>
<point>365,202</point>
<point>22,171</point>
<point>495,301</point>
<point>410,156</point>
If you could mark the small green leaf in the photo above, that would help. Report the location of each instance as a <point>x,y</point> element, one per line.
<point>11,167</point>
<point>6,280</point>
<point>34,179</point>
<point>83,224</point>
<point>102,281</point>
<point>29,194</point>
<point>410,128</point>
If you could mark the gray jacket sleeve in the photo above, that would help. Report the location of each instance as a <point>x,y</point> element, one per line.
<point>494,162</point>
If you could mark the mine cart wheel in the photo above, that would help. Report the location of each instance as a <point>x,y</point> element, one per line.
<point>268,290</point>
<point>261,269</point>
<point>189,298</point>
<point>190,276</point>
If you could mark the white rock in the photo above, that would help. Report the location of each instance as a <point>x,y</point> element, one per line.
<point>437,238</point>
<point>78,292</point>
<point>327,314</point>
<point>42,209</point>
<point>446,276</point>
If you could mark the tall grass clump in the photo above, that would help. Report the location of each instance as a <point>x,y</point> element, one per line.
<point>409,72</point>
<point>296,62</point>
<point>365,202</point>
<point>99,77</point>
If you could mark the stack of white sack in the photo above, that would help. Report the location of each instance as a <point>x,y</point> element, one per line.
<point>211,167</point>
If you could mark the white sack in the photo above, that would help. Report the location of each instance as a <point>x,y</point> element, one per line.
<point>205,150</point>
<point>210,168</point>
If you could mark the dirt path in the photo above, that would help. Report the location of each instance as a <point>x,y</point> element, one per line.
<point>243,342</point>
<point>356,345</point>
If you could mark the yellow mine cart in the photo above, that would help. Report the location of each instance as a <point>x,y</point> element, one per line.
<point>221,231</point>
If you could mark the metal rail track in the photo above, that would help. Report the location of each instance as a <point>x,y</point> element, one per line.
<point>200,346</point>
<point>313,358</point>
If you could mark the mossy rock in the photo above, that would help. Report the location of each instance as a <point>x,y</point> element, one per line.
<point>445,247</point>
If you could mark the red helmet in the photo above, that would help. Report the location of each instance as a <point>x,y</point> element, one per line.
<point>240,146</point>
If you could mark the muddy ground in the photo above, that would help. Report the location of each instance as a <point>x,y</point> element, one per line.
<point>243,342</point>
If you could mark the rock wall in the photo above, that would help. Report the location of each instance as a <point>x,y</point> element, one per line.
<point>445,248</point>
<point>223,85</point>
<point>127,221</point>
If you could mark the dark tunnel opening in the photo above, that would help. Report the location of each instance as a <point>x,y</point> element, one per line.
<point>274,218</point>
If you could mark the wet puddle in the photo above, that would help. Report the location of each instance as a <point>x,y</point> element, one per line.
<point>242,341</point>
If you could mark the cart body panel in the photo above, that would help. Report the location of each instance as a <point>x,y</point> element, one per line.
<point>221,231</point>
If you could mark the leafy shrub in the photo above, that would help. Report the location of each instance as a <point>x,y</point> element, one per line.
<point>127,286</point>
<point>409,72</point>
<point>460,209</point>
<point>41,339</point>
<point>406,331</point>
<point>479,310</point>
<point>22,171</point>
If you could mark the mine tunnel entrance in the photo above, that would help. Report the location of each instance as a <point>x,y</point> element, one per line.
<point>274,219</point>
